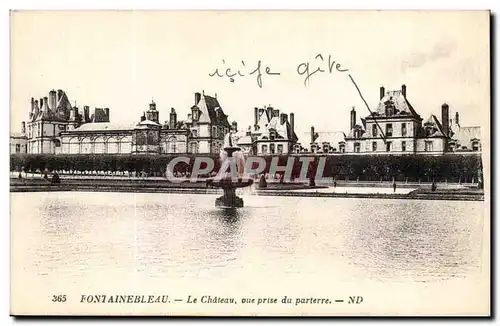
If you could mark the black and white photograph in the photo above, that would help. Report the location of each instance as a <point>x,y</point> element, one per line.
<point>250,163</point>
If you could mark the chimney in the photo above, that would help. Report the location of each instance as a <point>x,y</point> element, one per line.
<point>249,131</point>
<point>353,117</point>
<point>86,111</point>
<point>292,122</point>
<point>52,99</point>
<point>457,119</point>
<point>256,115</point>
<point>283,118</point>
<point>234,126</point>
<point>173,119</point>
<point>403,90</point>
<point>59,94</point>
<point>445,117</point>
<point>23,127</point>
<point>312,134</point>
<point>143,117</point>
<point>41,103</point>
<point>382,92</point>
<point>32,104</point>
<point>269,112</point>
<point>37,110</point>
<point>106,114</point>
<point>197,98</point>
<point>45,104</point>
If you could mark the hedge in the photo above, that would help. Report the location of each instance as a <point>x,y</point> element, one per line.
<point>448,167</point>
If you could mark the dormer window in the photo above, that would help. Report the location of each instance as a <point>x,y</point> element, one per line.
<point>389,107</point>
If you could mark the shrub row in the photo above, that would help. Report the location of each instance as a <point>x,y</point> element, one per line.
<point>448,167</point>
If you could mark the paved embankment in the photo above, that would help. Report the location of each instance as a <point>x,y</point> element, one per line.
<point>294,190</point>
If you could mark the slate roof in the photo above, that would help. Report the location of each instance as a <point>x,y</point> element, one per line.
<point>401,105</point>
<point>104,126</point>
<point>209,106</point>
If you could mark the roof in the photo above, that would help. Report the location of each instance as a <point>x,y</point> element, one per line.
<point>437,128</point>
<point>400,104</point>
<point>104,126</point>
<point>209,106</point>
<point>464,135</point>
<point>17,135</point>
<point>283,129</point>
<point>148,123</point>
<point>331,137</point>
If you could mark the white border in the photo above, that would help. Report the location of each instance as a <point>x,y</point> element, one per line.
<point>6,5</point>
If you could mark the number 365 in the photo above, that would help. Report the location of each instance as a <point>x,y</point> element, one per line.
<point>59,298</point>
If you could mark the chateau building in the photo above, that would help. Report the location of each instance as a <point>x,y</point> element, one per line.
<point>271,134</point>
<point>54,127</point>
<point>394,127</point>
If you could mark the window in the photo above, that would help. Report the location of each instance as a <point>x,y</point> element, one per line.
<point>18,148</point>
<point>374,146</point>
<point>357,133</point>
<point>264,149</point>
<point>280,149</point>
<point>374,130</point>
<point>403,129</point>
<point>475,146</point>
<point>272,134</point>
<point>271,147</point>
<point>388,146</point>
<point>428,146</point>
<point>388,130</point>
<point>403,146</point>
<point>194,133</point>
<point>326,148</point>
<point>214,132</point>
<point>342,148</point>
<point>356,147</point>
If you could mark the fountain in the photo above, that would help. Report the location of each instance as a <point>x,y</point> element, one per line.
<point>230,156</point>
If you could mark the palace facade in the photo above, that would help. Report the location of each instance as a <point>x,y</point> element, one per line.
<point>272,133</point>
<point>394,127</point>
<point>55,127</point>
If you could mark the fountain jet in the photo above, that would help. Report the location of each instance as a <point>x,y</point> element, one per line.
<point>231,157</point>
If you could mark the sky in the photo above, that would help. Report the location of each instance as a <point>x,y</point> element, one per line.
<point>124,59</point>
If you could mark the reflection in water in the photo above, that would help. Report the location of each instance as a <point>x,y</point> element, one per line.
<point>178,237</point>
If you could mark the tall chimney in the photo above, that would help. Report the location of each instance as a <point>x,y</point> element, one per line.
<point>37,110</point>
<point>59,94</point>
<point>382,92</point>
<point>32,104</point>
<point>282,118</point>
<point>292,122</point>
<point>41,103</point>
<point>445,118</point>
<point>312,134</point>
<point>52,99</point>
<point>173,119</point>
<point>457,119</point>
<point>270,112</point>
<point>234,126</point>
<point>45,103</point>
<point>86,111</point>
<point>256,115</point>
<point>197,98</point>
<point>23,127</point>
<point>403,90</point>
<point>353,117</point>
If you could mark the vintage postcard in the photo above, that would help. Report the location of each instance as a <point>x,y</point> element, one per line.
<point>250,163</point>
